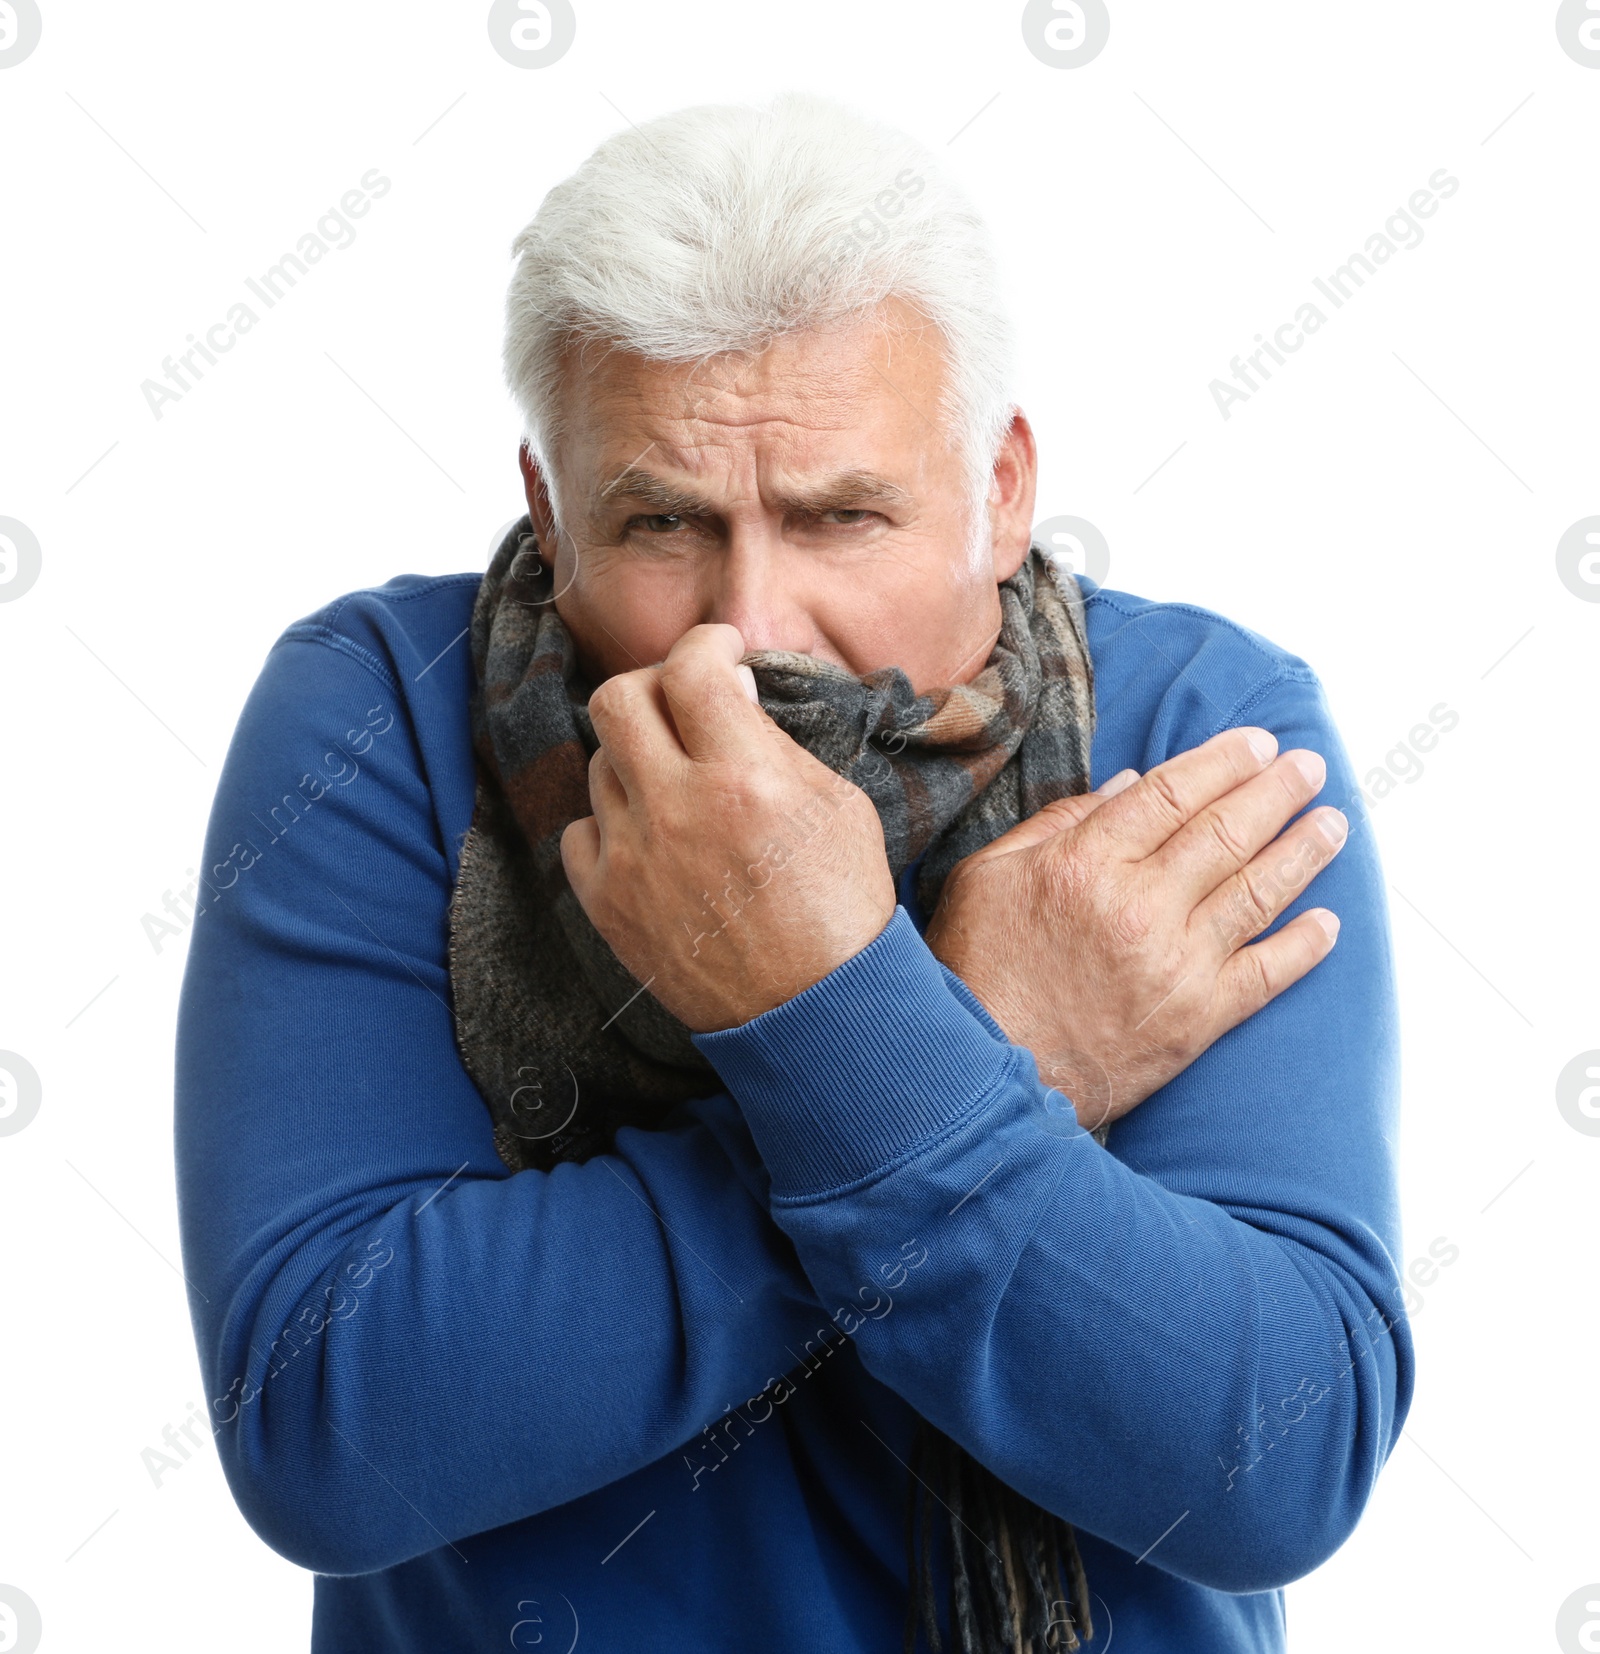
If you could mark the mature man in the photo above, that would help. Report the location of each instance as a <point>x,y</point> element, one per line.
<point>696,1129</point>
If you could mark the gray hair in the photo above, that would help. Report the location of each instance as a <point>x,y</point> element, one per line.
<point>723,227</point>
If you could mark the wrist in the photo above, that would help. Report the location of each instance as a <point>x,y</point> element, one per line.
<point>758,990</point>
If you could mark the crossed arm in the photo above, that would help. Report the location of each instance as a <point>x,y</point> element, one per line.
<point>1198,1321</point>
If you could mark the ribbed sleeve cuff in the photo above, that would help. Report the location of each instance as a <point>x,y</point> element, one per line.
<point>846,1078</point>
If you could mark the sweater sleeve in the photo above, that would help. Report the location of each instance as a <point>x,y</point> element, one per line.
<point>402,1344</point>
<point>1190,1343</point>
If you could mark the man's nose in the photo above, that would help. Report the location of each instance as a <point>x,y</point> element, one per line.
<point>750,589</point>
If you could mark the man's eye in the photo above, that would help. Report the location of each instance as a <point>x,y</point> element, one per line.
<point>663,523</point>
<point>846,518</point>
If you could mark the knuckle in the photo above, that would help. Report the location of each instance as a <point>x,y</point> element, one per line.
<point>1252,904</point>
<point>865,814</point>
<point>1311,854</point>
<point>1289,872</point>
<point>1226,836</point>
<point>1072,871</point>
<point>755,790</point>
<point>1293,786</point>
<point>608,699</point>
<point>1066,889</point>
<point>683,676</point>
<point>1175,1038</point>
<point>1292,872</point>
<point>1062,813</point>
<point>1164,796</point>
<point>1128,922</point>
<point>677,671</point>
<point>1253,982</point>
<point>1188,1040</point>
<point>1246,986</point>
<point>1310,948</point>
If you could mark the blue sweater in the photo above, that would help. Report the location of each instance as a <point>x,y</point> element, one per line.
<point>662,1399</point>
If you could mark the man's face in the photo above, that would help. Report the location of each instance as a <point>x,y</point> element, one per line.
<point>808,496</point>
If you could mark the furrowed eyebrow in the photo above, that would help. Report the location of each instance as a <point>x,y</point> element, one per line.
<point>845,491</point>
<point>643,488</point>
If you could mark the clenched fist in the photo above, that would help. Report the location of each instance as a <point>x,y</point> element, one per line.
<point>728,868</point>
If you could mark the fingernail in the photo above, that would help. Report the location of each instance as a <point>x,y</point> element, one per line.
<point>1311,766</point>
<point>1263,743</point>
<point>1328,921</point>
<point>748,679</point>
<point>1120,782</point>
<point>1334,828</point>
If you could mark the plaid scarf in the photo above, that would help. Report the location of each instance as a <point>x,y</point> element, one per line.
<point>566,1047</point>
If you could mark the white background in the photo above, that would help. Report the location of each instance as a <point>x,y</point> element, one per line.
<point>1387,507</point>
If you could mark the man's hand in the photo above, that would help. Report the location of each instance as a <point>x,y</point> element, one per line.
<point>728,868</point>
<point>1106,932</point>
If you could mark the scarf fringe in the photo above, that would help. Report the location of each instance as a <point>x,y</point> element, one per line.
<point>1023,1590</point>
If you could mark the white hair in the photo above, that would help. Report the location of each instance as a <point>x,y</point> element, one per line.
<point>723,227</point>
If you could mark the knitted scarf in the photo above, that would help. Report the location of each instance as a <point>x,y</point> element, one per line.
<point>566,1047</point>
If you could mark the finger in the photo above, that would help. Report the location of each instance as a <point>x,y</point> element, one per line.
<point>708,700</point>
<point>636,731</point>
<point>1247,903</point>
<point>1140,820</point>
<point>1256,975</point>
<point>1224,836</point>
<point>1056,817</point>
<point>1118,783</point>
<point>580,855</point>
<point>608,792</point>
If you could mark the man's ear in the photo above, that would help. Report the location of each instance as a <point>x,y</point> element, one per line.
<point>537,490</point>
<point>1012,489</point>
